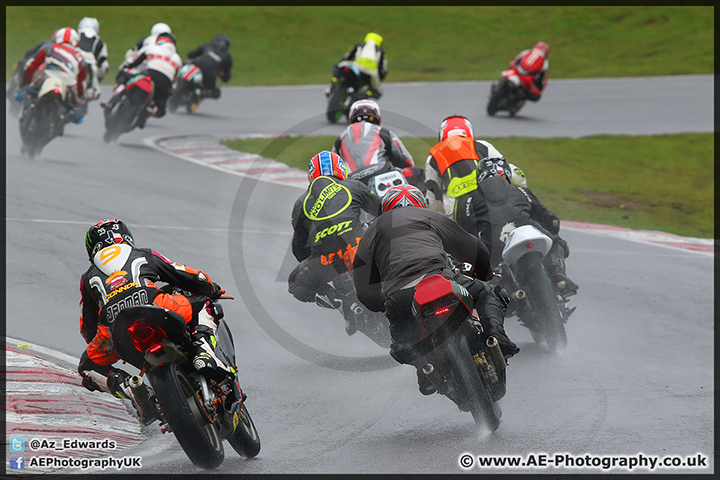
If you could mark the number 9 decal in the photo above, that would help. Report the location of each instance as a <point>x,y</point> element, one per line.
<point>109,253</point>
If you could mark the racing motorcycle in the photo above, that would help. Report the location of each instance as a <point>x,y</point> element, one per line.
<point>189,89</point>
<point>200,411</point>
<point>534,300</point>
<point>42,118</point>
<point>457,356</point>
<point>133,107</point>
<point>508,93</point>
<point>349,85</point>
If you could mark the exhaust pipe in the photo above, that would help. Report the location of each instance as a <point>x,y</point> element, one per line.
<point>518,295</point>
<point>498,358</point>
<point>428,369</point>
<point>356,308</point>
<point>141,392</point>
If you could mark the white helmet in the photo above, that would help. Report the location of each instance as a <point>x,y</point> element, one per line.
<point>67,36</point>
<point>159,28</point>
<point>90,23</point>
<point>518,177</point>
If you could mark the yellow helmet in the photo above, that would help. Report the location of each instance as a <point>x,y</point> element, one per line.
<point>374,37</point>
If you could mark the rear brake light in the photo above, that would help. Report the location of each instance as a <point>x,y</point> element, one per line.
<point>529,245</point>
<point>56,90</point>
<point>442,310</point>
<point>156,348</point>
<point>145,335</point>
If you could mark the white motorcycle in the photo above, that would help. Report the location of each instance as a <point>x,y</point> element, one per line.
<point>534,300</point>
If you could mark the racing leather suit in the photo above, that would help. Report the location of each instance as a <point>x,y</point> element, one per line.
<point>213,62</point>
<point>532,89</point>
<point>364,144</point>
<point>370,60</point>
<point>122,276</point>
<point>161,63</point>
<point>327,229</point>
<point>60,61</point>
<point>450,170</point>
<point>399,249</point>
<point>496,208</point>
<point>95,52</point>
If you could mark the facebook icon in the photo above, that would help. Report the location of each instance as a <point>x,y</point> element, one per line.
<point>17,462</point>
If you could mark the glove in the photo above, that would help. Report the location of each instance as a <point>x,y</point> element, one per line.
<point>501,294</point>
<point>217,291</point>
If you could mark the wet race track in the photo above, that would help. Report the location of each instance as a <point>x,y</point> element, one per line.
<point>637,375</point>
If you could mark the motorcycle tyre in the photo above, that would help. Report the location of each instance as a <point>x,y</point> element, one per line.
<point>42,133</point>
<point>245,440</point>
<point>197,437</point>
<point>120,121</point>
<point>544,299</point>
<point>336,102</point>
<point>485,412</point>
<point>497,92</point>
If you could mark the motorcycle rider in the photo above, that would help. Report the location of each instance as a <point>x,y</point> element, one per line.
<point>496,207</point>
<point>404,245</point>
<point>533,61</point>
<point>158,60</point>
<point>122,275</point>
<point>450,167</point>
<point>94,51</point>
<point>326,231</point>
<point>364,143</point>
<point>369,58</point>
<point>155,30</point>
<point>59,59</point>
<point>214,60</point>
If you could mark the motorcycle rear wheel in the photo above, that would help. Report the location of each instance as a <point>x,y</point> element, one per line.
<point>475,394</point>
<point>183,411</point>
<point>245,440</point>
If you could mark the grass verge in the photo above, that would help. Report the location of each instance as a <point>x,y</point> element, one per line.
<point>660,183</point>
<point>291,45</point>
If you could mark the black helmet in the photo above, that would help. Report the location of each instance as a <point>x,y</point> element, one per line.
<point>221,41</point>
<point>106,233</point>
<point>489,167</point>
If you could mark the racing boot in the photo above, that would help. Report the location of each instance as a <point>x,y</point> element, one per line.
<point>205,360</point>
<point>564,285</point>
<point>493,319</point>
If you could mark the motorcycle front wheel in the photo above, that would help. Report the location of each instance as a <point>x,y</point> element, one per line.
<point>336,103</point>
<point>244,439</point>
<point>186,415</point>
<point>545,303</point>
<point>497,92</point>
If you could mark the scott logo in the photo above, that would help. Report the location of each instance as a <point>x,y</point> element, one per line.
<point>338,229</point>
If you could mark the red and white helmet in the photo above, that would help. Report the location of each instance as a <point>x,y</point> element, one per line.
<point>544,47</point>
<point>327,164</point>
<point>403,196</point>
<point>67,36</point>
<point>455,125</point>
